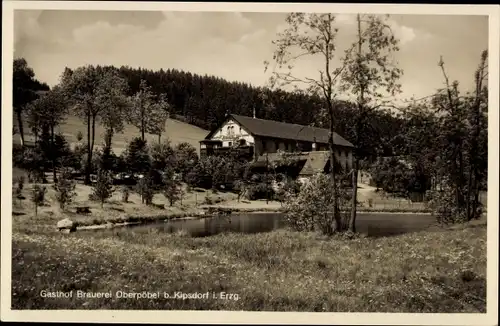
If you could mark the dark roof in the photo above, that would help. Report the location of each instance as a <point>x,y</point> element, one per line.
<point>316,163</point>
<point>282,130</point>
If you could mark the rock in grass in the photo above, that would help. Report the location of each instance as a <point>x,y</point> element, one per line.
<point>66,224</point>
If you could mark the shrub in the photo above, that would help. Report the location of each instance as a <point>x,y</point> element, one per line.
<point>186,158</point>
<point>162,155</point>
<point>18,191</point>
<point>103,187</point>
<point>145,189</point>
<point>33,161</point>
<point>311,209</point>
<point>65,188</point>
<point>20,183</point>
<point>171,186</point>
<point>288,186</point>
<point>199,177</point>
<point>125,193</point>
<point>17,155</point>
<point>208,200</point>
<point>38,196</point>
<point>240,186</point>
<point>79,136</point>
<point>444,207</point>
<point>260,190</point>
<point>105,159</point>
<point>137,156</point>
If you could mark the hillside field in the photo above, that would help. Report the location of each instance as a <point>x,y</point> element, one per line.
<point>176,131</point>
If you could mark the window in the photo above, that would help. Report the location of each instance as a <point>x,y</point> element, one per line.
<point>230,144</point>
<point>243,142</point>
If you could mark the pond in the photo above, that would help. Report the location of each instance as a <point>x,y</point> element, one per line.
<point>371,224</point>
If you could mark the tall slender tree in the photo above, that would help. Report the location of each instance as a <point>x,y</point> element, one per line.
<point>94,91</point>
<point>48,111</point>
<point>370,74</point>
<point>311,35</point>
<point>364,70</point>
<point>143,105</point>
<point>25,90</point>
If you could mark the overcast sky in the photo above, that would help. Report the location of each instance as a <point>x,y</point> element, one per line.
<point>231,45</point>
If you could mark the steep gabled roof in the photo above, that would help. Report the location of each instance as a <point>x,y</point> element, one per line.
<point>316,163</point>
<point>282,130</point>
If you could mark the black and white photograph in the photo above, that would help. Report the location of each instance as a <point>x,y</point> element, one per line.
<point>240,158</point>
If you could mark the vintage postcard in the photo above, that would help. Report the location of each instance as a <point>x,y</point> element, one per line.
<point>264,163</point>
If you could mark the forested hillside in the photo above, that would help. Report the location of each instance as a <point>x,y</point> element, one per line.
<point>204,101</point>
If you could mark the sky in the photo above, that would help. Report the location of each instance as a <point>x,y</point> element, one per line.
<point>234,45</point>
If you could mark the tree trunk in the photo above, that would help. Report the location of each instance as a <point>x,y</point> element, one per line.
<point>92,142</point>
<point>159,138</point>
<point>52,152</point>
<point>36,209</point>
<point>336,216</point>
<point>352,221</point>
<point>89,152</point>
<point>20,125</point>
<point>142,124</point>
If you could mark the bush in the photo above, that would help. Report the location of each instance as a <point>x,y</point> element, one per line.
<point>79,136</point>
<point>103,187</point>
<point>65,188</point>
<point>32,160</point>
<point>145,189</point>
<point>137,156</point>
<point>261,190</point>
<point>312,208</point>
<point>288,186</point>
<point>17,155</point>
<point>125,193</point>
<point>18,191</point>
<point>395,176</point>
<point>162,155</point>
<point>443,206</point>
<point>186,158</point>
<point>199,177</point>
<point>38,196</point>
<point>171,186</point>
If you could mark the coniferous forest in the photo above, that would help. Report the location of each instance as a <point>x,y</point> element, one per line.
<point>205,100</point>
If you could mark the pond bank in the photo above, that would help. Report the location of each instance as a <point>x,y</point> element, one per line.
<point>202,212</point>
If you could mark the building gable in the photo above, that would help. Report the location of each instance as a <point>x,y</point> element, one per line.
<point>231,132</point>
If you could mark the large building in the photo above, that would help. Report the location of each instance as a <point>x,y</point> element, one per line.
<point>258,138</point>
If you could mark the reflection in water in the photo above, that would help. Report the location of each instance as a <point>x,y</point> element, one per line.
<point>373,225</point>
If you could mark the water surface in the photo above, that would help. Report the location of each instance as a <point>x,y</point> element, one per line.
<point>371,224</point>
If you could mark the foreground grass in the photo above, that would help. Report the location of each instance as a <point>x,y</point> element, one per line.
<point>441,271</point>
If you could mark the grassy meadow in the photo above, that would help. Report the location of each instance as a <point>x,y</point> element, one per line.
<point>176,131</point>
<point>442,271</point>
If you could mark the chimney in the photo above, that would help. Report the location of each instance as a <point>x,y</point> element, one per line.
<point>254,113</point>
